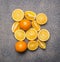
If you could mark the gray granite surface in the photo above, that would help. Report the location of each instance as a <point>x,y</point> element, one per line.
<point>7,40</point>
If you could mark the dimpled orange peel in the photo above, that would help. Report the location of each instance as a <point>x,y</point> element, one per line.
<point>20,46</point>
<point>25,24</point>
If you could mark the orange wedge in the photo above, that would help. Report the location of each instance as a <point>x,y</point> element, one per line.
<point>15,26</point>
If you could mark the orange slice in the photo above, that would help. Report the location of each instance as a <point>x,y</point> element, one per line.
<point>17,15</point>
<point>30,15</point>
<point>41,44</point>
<point>41,18</point>
<point>43,35</point>
<point>32,45</point>
<point>15,26</point>
<point>19,34</point>
<point>35,25</point>
<point>31,34</point>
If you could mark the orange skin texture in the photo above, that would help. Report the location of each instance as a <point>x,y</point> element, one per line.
<point>20,46</point>
<point>25,24</point>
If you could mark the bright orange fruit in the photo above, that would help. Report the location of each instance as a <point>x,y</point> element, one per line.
<point>20,46</point>
<point>25,24</point>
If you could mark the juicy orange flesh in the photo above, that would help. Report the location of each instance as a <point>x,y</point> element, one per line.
<point>43,35</point>
<point>32,45</point>
<point>19,35</point>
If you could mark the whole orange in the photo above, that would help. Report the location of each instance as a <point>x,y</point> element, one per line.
<point>20,46</point>
<point>25,24</point>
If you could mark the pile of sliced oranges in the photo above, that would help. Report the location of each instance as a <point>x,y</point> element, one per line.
<point>27,25</point>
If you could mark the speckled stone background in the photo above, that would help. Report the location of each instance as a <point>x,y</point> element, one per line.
<point>7,40</point>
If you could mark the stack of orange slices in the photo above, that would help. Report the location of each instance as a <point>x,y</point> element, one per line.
<point>27,25</point>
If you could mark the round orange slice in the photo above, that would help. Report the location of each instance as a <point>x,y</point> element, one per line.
<point>41,18</point>
<point>32,45</point>
<point>43,35</point>
<point>17,15</point>
<point>19,34</point>
<point>31,34</point>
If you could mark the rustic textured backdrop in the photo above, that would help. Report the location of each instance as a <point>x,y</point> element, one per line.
<point>7,40</point>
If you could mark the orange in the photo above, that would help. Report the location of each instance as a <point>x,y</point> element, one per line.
<point>20,46</point>
<point>25,24</point>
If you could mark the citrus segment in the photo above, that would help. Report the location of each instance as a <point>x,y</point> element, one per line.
<point>17,15</point>
<point>19,34</point>
<point>32,45</point>
<point>41,44</point>
<point>35,25</point>
<point>15,26</point>
<point>43,35</point>
<point>30,15</point>
<point>41,18</point>
<point>31,34</point>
